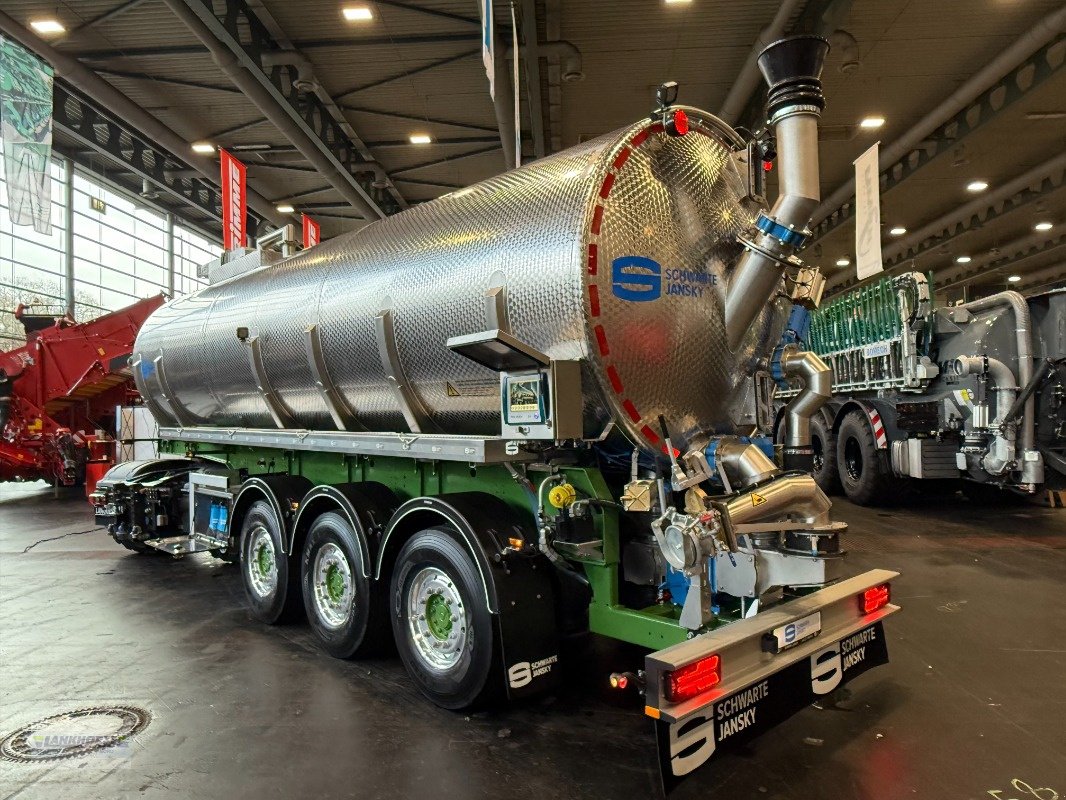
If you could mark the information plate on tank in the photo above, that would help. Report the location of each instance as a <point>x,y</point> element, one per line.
<point>790,635</point>
<point>524,399</point>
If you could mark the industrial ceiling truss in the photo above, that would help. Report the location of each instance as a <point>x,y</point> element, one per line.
<point>1016,84</point>
<point>104,135</point>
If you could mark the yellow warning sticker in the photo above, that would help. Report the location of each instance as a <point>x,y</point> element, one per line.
<point>452,391</point>
<point>757,499</point>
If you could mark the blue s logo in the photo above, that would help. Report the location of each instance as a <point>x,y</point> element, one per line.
<point>790,633</point>
<point>636,278</point>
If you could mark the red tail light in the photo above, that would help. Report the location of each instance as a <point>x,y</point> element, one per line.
<point>692,679</point>
<point>874,598</point>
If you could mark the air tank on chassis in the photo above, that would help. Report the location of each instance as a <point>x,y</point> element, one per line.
<point>617,252</point>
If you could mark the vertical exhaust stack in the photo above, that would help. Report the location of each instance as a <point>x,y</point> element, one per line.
<point>792,68</point>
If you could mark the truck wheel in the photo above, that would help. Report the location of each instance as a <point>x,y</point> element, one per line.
<point>440,620</point>
<point>344,607</point>
<point>865,474</point>
<point>824,445</point>
<point>272,588</point>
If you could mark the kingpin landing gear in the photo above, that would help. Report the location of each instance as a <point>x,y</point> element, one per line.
<point>443,629</point>
<point>271,586</point>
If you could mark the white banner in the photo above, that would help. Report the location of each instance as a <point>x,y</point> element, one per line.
<point>26,131</point>
<point>868,214</point>
<point>488,45</point>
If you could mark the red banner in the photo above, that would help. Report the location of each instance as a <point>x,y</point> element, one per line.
<point>312,232</point>
<point>234,203</point>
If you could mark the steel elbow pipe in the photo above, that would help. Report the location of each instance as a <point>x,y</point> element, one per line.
<point>571,66</point>
<point>792,68</point>
<point>1022,326</point>
<point>845,43</point>
<point>817,378</point>
<point>793,496</point>
<point>744,463</point>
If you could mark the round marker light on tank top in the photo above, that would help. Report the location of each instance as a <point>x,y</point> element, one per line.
<point>677,123</point>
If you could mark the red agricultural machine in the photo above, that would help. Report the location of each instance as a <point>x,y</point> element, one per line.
<point>60,388</point>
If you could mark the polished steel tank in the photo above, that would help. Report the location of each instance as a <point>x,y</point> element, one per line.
<point>617,252</point>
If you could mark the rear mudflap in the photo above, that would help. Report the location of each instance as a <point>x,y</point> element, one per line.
<point>762,685</point>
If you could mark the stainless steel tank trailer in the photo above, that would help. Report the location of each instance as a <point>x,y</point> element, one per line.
<point>533,408</point>
<point>974,392</point>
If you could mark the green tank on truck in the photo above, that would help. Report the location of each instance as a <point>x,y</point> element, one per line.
<point>499,421</point>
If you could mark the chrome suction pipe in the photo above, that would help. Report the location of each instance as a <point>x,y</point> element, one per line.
<point>1002,454</point>
<point>792,68</point>
<point>1023,339</point>
<point>817,378</point>
<point>793,495</point>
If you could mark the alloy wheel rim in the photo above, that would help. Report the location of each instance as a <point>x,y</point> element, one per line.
<point>262,566</point>
<point>436,619</point>
<point>334,589</point>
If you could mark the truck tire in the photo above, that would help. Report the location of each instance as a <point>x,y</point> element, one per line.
<point>824,444</point>
<point>271,586</point>
<point>345,608</point>
<point>865,473</point>
<point>440,620</point>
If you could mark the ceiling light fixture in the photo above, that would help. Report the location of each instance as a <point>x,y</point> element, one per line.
<point>285,208</point>
<point>357,13</point>
<point>1014,278</point>
<point>1043,226</point>
<point>203,147</point>
<point>842,262</point>
<point>872,123</point>
<point>677,2</point>
<point>976,186</point>
<point>963,260</point>
<point>899,230</point>
<point>47,26</point>
<point>420,138</point>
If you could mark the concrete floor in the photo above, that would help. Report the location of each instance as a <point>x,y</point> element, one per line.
<point>974,698</point>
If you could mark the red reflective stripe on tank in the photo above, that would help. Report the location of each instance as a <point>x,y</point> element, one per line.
<point>608,182</point>
<point>597,220</point>
<point>601,340</point>
<point>593,266</point>
<point>631,410</point>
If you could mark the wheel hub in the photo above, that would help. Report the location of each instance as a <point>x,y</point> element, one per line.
<point>853,459</point>
<point>262,567</point>
<point>334,589</point>
<point>436,619</point>
<point>439,616</point>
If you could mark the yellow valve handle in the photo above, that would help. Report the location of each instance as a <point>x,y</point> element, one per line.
<point>562,496</point>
